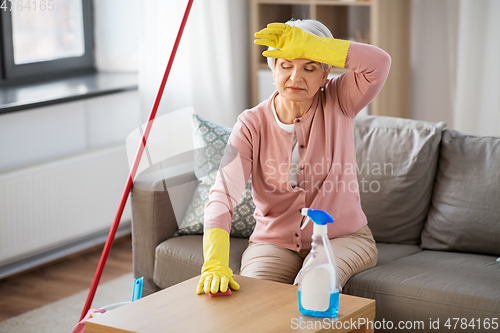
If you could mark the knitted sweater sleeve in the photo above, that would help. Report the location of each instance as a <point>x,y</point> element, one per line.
<point>368,67</point>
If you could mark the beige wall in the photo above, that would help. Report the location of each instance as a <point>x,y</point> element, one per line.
<point>430,62</point>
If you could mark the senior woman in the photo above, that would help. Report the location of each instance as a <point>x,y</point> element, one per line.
<point>299,148</point>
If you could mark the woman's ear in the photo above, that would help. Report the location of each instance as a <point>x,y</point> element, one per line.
<point>327,72</point>
<point>325,76</point>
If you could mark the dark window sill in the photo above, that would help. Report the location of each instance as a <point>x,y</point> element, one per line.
<point>24,97</point>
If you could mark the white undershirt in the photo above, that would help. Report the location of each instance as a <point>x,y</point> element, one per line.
<point>294,175</point>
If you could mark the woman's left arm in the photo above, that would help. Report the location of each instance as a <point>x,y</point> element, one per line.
<point>368,69</point>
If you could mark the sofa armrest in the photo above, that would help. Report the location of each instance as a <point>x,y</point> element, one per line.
<point>154,215</point>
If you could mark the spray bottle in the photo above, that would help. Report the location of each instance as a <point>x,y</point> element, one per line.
<point>318,279</point>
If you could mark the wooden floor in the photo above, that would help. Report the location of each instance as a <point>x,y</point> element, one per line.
<point>64,278</point>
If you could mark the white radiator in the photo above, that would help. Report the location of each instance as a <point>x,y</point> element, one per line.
<point>55,205</point>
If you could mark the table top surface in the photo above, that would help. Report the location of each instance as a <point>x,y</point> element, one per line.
<point>259,306</point>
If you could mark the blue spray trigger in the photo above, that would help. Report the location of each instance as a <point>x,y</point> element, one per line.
<point>318,216</point>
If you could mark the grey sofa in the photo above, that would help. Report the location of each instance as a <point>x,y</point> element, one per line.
<point>432,199</point>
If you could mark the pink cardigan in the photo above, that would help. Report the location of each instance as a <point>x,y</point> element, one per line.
<point>327,168</point>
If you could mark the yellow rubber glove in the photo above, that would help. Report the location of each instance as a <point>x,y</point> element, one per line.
<point>293,43</point>
<point>215,274</point>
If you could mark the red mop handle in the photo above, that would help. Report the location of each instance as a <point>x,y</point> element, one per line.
<point>128,186</point>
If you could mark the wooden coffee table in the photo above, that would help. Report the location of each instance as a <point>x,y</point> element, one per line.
<point>259,306</point>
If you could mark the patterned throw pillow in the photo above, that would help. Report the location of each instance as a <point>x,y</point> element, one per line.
<point>207,159</point>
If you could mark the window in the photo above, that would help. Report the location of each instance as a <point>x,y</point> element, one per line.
<point>45,39</point>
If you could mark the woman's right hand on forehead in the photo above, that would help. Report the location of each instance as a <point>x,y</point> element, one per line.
<point>288,40</point>
<point>292,43</point>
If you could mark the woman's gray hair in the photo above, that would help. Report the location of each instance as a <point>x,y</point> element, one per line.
<point>310,26</point>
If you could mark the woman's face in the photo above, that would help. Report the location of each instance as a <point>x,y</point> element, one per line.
<point>298,80</point>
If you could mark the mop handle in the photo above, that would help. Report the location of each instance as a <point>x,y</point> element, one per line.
<point>128,187</point>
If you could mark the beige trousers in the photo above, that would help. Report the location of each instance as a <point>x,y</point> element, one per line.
<point>354,253</point>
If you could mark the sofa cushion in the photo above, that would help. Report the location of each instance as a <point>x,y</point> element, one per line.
<point>396,162</point>
<point>180,258</point>
<point>465,211</point>
<point>431,285</point>
<point>388,252</point>
<point>211,140</point>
